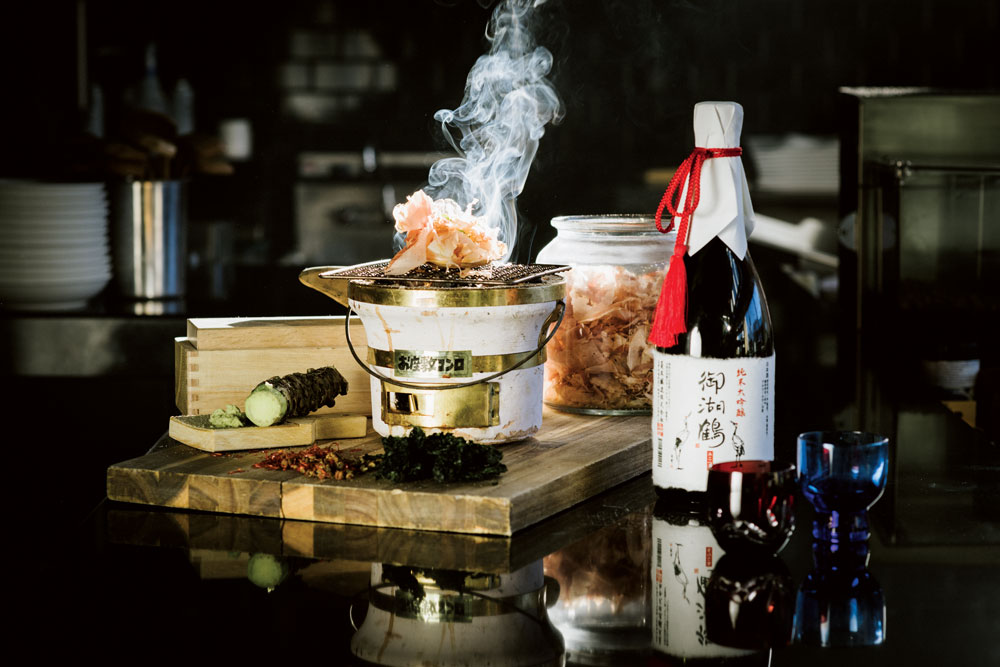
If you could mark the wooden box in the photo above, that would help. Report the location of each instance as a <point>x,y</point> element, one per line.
<point>222,359</point>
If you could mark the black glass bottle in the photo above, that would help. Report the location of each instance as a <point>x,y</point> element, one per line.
<point>716,385</point>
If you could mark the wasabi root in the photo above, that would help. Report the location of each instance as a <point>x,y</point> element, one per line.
<point>294,395</point>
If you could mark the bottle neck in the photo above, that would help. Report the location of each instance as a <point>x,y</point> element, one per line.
<point>727,314</point>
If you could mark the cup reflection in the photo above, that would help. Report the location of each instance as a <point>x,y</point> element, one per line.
<point>749,602</point>
<point>840,603</point>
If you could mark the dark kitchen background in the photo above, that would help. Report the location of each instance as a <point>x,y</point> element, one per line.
<point>322,90</point>
<point>325,112</point>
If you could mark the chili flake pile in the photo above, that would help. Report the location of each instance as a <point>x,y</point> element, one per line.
<point>315,461</point>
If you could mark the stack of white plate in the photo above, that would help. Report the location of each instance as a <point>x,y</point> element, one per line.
<point>796,163</point>
<point>54,252</point>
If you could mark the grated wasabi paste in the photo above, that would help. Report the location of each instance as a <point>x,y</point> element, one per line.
<point>228,417</point>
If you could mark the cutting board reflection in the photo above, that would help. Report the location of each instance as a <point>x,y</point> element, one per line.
<point>572,458</point>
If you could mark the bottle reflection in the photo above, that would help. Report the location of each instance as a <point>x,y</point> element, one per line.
<point>685,556</point>
<point>452,618</point>
<point>840,603</point>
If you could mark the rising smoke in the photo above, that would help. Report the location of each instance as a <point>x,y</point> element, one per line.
<point>508,102</point>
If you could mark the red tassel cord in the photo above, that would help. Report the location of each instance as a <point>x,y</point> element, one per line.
<point>670,319</point>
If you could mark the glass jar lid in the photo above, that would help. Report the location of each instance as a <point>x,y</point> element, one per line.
<point>615,223</point>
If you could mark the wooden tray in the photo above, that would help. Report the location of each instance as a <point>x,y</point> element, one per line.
<point>193,430</point>
<point>572,458</point>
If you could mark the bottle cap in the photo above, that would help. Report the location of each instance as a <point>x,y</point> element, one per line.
<point>717,124</point>
<point>724,209</point>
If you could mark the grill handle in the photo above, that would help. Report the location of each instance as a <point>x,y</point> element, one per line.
<point>544,332</point>
<point>335,288</point>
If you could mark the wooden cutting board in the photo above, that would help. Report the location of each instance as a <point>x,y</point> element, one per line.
<point>572,458</point>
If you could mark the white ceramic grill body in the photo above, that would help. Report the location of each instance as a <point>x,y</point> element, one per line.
<point>486,330</point>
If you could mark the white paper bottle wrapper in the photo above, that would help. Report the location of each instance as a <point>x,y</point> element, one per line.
<point>724,207</point>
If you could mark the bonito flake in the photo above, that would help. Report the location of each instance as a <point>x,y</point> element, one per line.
<point>600,358</point>
<point>442,233</point>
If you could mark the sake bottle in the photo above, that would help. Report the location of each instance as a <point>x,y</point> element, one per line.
<point>713,377</point>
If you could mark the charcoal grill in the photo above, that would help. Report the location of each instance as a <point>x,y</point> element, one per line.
<point>452,351</point>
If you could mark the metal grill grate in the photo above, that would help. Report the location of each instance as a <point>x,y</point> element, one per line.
<point>492,275</point>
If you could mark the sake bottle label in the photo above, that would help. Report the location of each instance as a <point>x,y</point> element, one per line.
<point>708,411</point>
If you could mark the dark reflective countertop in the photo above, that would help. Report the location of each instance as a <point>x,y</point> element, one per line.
<point>134,578</point>
<point>131,582</point>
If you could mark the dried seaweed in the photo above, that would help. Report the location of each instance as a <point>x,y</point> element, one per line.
<point>440,456</point>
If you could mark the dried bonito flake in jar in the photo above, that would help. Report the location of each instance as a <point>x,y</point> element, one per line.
<point>599,359</point>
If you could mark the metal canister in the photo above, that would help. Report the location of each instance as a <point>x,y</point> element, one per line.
<point>149,238</point>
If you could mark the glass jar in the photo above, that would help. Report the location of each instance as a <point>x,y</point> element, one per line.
<point>599,361</point>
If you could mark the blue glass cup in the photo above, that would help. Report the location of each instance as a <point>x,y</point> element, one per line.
<point>842,474</point>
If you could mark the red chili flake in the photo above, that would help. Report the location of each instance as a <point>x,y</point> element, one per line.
<point>315,461</point>
<point>233,472</point>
